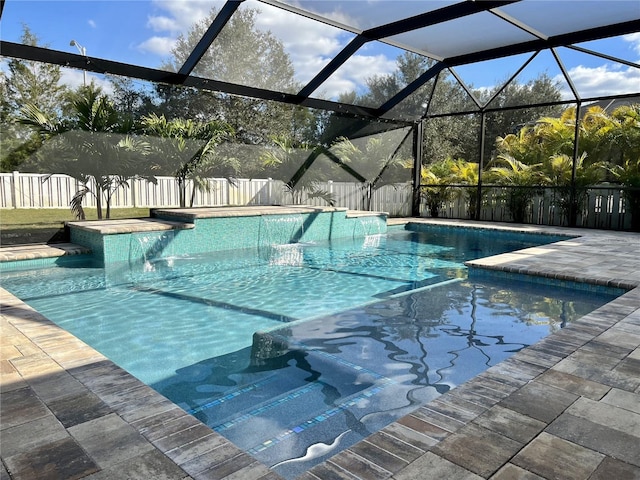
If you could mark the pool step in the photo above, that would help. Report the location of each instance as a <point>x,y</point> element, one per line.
<point>298,376</point>
<point>17,253</point>
<point>278,428</point>
<point>130,225</point>
<point>299,431</point>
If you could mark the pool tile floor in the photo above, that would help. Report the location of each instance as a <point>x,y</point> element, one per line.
<point>567,407</point>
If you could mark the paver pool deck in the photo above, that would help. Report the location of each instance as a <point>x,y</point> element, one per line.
<point>567,407</point>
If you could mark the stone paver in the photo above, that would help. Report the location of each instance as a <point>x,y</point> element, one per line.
<point>570,461</point>
<point>59,459</point>
<point>478,449</point>
<point>597,437</point>
<point>112,227</point>
<point>606,414</point>
<point>152,465</point>
<point>110,440</point>
<point>565,408</point>
<point>611,468</point>
<point>622,399</point>
<point>434,466</point>
<point>21,406</point>
<point>513,472</point>
<point>510,423</point>
<point>539,401</point>
<point>31,435</point>
<point>573,384</point>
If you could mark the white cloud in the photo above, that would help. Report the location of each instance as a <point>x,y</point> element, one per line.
<point>312,44</point>
<point>634,39</point>
<point>332,88</point>
<point>181,15</point>
<point>161,23</point>
<point>353,75</point>
<point>75,78</point>
<point>361,67</point>
<point>177,18</point>
<point>602,81</point>
<point>92,23</point>
<point>158,45</point>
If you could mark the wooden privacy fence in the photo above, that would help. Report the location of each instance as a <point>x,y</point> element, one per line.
<point>603,207</point>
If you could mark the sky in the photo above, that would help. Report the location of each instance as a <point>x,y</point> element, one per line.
<point>144,32</point>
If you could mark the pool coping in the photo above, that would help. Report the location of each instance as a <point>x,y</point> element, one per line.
<point>499,424</point>
<point>132,225</point>
<point>39,251</point>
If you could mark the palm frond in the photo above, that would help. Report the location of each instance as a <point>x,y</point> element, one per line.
<point>76,203</point>
<point>324,195</point>
<point>33,117</point>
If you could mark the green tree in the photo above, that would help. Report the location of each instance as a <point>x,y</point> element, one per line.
<point>612,139</point>
<point>130,99</point>
<point>457,136</point>
<point>626,137</point>
<point>25,82</point>
<point>467,174</point>
<point>572,188</point>
<point>242,54</point>
<point>522,183</point>
<point>625,157</point>
<point>94,145</point>
<point>556,135</point>
<point>435,182</point>
<point>500,123</point>
<point>444,137</point>
<point>523,146</point>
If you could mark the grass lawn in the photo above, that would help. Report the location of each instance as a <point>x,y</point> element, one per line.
<point>40,218</point>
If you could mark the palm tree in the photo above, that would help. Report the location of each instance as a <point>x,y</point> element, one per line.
<point>467,173</point>
<point>93,145</point>
<point>187,149</point>
<point>435,182</point>
<point>626,166</point>
<point>627,134</point>
<point>556,135</point>
<point>523,146</point>
<point>572,191</point>
<point>628,174</point>
<point>523,182</point>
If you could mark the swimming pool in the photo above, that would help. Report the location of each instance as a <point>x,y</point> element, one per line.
<point>328,344</point>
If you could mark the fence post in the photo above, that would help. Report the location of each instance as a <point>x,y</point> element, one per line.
<point>133,192</point>
<point>15,188</point>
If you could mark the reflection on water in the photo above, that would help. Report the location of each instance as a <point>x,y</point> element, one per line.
<point>305,391</point>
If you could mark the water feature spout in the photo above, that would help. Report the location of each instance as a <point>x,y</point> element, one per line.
<point>281,229</point>
<point>147,247</point>
<point>366,226</point>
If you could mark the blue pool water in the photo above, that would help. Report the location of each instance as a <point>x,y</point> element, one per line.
<point>295,352</point>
